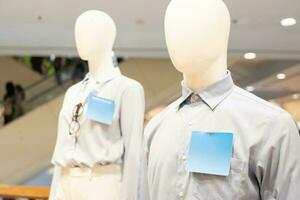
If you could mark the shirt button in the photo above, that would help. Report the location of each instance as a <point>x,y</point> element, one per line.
<point>195,98</point>
<point>183,157</point>
<point>190,123</point>
<point>180,194</point>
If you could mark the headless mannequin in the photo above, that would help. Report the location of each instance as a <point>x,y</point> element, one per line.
<point>95,33</point>
<point>198,48</point>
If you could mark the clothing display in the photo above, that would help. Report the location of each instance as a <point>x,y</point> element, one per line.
<point>85,143</point>
<point>266,159</point>
<point>201,133</point>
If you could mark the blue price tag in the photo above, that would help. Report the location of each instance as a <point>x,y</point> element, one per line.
<point>100,109</point>
<point>210,153</point>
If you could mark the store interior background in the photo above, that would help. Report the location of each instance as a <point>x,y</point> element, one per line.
<point>264,58</point>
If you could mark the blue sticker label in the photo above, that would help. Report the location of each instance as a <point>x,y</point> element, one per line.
<point>100,109</point>
<point>210,153</point>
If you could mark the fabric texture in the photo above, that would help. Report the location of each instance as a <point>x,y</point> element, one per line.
<point>90,184</point>
<point>266,147</point>
<point>101,144</point>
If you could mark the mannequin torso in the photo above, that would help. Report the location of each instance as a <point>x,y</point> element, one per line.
<point>89,147</point>
<point>197,34</point>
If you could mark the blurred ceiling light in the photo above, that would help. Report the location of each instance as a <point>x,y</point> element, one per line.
<point>250,56</point>
<point>281,76</point>
<point>250,88</point>
<point>296,96</point>
<point>288,22</point>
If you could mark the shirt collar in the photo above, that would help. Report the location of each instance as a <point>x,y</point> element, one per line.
<point>214,94</point>
<point>107,76</point>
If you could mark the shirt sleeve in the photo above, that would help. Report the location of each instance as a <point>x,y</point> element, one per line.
<point>62,127</point>
<point>278,167</point>
<point>56,156</point>
<point>144,187</point>
<point>132,120</point>
<point>54,184</point>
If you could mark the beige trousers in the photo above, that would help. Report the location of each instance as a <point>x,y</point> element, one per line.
<point>100,183</point>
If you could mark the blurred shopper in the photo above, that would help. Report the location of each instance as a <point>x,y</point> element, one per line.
<point>58,70</point>
<point>1,113</point>
<point>20,98</point>
<point>36,63</point>
<point>9,103</point>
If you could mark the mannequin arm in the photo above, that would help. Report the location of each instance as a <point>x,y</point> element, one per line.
<point>132,118</point>
<point>143,180</point>
<point>278,167</point>
<point>55,181</point>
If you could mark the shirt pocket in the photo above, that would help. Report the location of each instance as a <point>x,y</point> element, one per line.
<point>213,187</point>
<point>101,127</point>
<point>105,131</point>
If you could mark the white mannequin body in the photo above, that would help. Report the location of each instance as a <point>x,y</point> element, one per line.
<point>104,160</point>
<point>198,47</point>
<point>197,34</point>
<point>95,34</point>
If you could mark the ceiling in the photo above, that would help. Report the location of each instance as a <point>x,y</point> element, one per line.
<point>46,27</point>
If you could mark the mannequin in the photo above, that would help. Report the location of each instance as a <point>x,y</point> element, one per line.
<point>207,62</point>
<point>197,33</point>
<point>99,133</point>
<point>95,49</point>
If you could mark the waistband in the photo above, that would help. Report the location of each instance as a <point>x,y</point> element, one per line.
<point>111,169</point>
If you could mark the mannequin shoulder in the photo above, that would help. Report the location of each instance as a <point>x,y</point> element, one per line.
<point>268,115</point>
<point>128,84</point>
<point>254,104</point>
<point>158,119</point>
<point>73,89</point>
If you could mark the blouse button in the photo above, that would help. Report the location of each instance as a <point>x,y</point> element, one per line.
<point>180,194</point>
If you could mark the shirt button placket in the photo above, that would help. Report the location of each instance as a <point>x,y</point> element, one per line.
<point>181,170</point>
<point>181,173</point>
<point>181,195</point>
<point>183,158</point>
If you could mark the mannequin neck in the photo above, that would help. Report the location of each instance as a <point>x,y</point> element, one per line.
<point>209,75</point>
<point>99,66</point>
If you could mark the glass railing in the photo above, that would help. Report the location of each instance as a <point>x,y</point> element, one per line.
<point>50,87</point>
<point>41,92</point>
<point>47,89</point>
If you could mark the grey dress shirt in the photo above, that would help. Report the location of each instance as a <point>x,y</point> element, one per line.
<point>266,150</point>
<point>98,144</point>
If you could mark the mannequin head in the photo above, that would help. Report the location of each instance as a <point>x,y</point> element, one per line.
<point>197,33</point>
<point>95,34</point>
